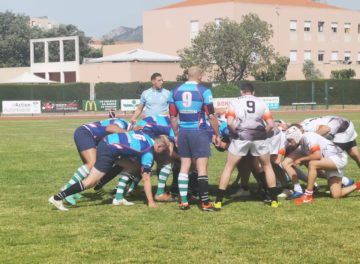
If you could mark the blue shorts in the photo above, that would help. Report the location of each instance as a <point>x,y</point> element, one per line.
<point>193,143</point>
<point>84,139</point>
<point>104,157</point>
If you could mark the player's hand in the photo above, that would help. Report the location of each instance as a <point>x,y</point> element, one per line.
<point>152,205</point>
<point>217,141</point>
<point>298,162</point>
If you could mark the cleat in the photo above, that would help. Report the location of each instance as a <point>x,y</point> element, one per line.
<point>285,193</point>
<point>58,204</point>
<point>266,198</point>
<point>304,199</point>
<point>294,195</point>
<point>240,193</point>
<point>165,197</point>
<point>184,206</point>
<point>207,207</point>
<point>122,202</point>
<point>217,206</point>
<point>70,200</point>
<point>275,204</point>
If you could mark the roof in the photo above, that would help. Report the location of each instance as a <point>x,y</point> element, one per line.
<point>28,77</point>
<point>136,55</point>
<point>302,3</point>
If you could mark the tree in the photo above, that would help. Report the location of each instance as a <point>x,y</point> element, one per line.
<point>229,51</point>
<point>273,71</point>
<point>343,74</point>
<point>310,72</point>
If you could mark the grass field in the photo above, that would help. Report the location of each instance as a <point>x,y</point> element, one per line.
<point>38,157</point>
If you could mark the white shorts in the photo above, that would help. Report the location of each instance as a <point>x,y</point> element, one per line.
<point>243,147</point>
<point>340,161</point>
<point>275,143</point>
<point>347,136</point>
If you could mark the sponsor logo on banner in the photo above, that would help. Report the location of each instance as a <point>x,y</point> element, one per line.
<point>129,104</point>
<point>50,107</point>
<point>90,105</point>
<point>272,102</point>
<point>21,107</point>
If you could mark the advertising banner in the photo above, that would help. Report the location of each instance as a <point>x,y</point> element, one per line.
<point>100,105</point>
<point>53,107</point>
<point>129,104</point>
<point>21,107</point>
<point>272,102</point>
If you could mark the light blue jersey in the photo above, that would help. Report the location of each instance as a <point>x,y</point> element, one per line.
<point>155,101</point>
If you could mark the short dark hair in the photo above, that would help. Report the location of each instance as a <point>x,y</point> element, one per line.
<point>155,75</point>
<point>247,87</point>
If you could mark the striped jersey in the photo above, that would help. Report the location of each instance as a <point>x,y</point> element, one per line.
<point>98,129</point>
<point>133,144</point>
<point>157,125</point>
<point>191,101</point>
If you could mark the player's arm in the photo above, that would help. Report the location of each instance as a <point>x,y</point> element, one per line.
<point>230,118</point>
<point>114,129</point>
<point>173,115</point>
<point>323,130</point>
<point>210,112</point>
<point>137,113</point>
<point>314,155</point>
<point>269,120</point>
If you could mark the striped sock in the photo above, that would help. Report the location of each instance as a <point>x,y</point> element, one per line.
<point>163,176</point>
<point>80,174</point>
<point>183,187</point>
<point>203,182</point>
<point>309,192</point>
<point>120,188</point>
<point>75,188</point>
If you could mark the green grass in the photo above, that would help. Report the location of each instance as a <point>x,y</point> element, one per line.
<point>38,157</point>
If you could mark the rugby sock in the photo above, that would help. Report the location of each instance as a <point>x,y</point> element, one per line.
<point>75,188</point>
<point>133,184</point>
<point>183,187</point>
<point>120,188</point>
<point>108,177</point>
<point>163,176</point>
<point>193,183</point>
<point>203,182</point>
<point>309,192</point>
<point>220,195</point>
<point>273,193</point>
<point>80,174</point>
<point>297,188</point>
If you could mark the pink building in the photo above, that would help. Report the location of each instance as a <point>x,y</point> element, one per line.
<point>303,29</point>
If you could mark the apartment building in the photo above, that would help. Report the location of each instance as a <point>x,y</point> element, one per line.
<point>43,22</point>
<point>303,29</point>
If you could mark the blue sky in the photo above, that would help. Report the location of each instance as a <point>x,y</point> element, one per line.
<point>98,18</point>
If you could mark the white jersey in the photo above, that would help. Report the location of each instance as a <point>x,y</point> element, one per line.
<point>312,142</point>
<point>250,113</point>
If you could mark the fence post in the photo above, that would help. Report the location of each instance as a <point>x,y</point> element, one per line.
<point>92,91</point>
<point>343,97</point>
<point>312,93</point>
<point>327,95</point>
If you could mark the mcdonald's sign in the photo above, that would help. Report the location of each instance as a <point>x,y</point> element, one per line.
<point>90,105</point>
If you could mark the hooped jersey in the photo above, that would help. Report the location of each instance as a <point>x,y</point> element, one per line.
<point>98,129</point>
<point>312,142</point>
<point>250,114</point>
<point>191,101</point>
<point>157,125</point>
<point>133,144</point>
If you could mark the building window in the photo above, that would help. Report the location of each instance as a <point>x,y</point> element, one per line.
<point>347,57</point>
<point>321,26</point>
<point>293,25</point>
<point>334,55</point>
<point>347,27</point>
<point>218,21</point>
<point>293,56</point>
<point>321,55</point>
<point>334,26</point>
<point>307,25</point>
<point>307,55</point>
<point>194,28</point>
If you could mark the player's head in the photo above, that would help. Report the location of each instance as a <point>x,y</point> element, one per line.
<point>161,144</point>
<point>195,74</point>
<point>247,88</point>
<point>294,135</point>
<point>281,124</point>
<point>157,80</point>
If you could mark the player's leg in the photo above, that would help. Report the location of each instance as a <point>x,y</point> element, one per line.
<point>336,189</point>
<point>164,174</point>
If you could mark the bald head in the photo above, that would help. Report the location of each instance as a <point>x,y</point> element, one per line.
<point>195,74</point>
